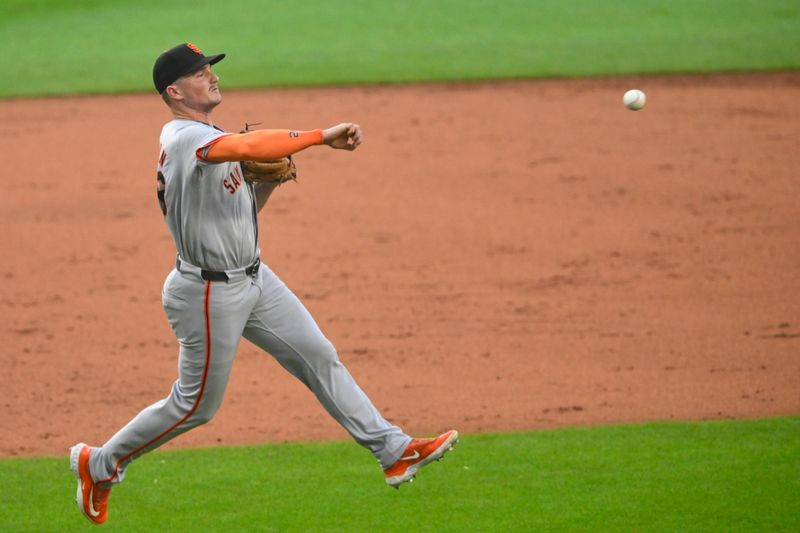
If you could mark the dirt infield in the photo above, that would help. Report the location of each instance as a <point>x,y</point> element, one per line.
<point>495,256</point>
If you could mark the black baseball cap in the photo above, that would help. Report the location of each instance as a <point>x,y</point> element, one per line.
<point>179,61</point>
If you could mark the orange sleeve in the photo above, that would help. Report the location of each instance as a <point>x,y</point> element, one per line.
<point>260,145</point>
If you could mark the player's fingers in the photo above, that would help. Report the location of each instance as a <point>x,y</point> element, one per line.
<point>340,130</point>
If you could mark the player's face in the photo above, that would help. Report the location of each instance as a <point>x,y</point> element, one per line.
<point>199,89</point>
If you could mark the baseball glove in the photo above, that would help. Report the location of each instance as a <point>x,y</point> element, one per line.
<point>276,171</point>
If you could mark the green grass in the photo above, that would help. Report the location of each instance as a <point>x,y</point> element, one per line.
<point>98,46</point>
<point>714,476</point>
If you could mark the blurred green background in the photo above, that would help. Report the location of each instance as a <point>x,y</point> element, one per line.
<point>94,46</point>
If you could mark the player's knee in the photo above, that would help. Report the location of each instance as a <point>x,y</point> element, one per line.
<point>201,418</point>
<point>324,350</point>
<point>194,414</point>
<point>205,412</point>
<point>313,358</point>
<point>329,363</point>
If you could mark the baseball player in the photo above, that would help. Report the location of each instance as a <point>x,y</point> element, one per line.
<point>219,290</point>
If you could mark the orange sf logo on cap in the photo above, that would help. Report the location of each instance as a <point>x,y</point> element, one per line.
<point>193,47</point>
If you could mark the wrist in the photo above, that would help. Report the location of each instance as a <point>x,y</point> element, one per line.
<point>323,135</point>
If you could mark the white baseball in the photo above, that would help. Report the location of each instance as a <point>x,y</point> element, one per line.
<point>634,99</point>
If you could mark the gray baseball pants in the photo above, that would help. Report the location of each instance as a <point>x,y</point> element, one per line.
<point>209,318</point>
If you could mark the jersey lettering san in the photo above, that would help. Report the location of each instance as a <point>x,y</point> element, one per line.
<point>234,180</point>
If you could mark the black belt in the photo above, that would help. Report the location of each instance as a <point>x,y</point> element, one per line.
<point>211,275</point>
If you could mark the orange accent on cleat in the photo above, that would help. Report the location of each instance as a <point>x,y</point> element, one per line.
<point>419,453</point>
<point>91,499</point>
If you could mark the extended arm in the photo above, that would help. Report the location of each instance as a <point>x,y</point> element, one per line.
<point>260,145</point>
<point>265,145</point>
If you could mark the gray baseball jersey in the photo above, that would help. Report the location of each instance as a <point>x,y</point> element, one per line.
<point>209,207</point>
<point>211,212</point>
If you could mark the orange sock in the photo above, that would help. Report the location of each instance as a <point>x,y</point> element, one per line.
<point>259,145</point>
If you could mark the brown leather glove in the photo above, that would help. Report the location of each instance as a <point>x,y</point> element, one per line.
<point>277,171</point>
<point>274,171</point>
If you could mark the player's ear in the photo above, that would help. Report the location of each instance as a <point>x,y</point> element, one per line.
<point>173,92</point>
